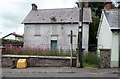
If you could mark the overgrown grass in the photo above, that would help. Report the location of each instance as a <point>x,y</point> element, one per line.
<point>13,50</point>
<point>91,60</point>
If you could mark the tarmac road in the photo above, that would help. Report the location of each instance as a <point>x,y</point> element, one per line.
<point>55,74</point>
<point>59,73</point>
<point>59,78</point>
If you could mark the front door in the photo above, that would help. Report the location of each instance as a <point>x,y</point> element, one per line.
<point>53,44</point>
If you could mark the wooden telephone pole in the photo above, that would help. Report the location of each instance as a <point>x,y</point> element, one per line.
<point>79,49</point>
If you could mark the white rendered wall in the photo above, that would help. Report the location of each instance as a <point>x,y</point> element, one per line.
<point>115,50</point>
<point>104,35</point>
<point>44,38</point>
<point>85,36</point>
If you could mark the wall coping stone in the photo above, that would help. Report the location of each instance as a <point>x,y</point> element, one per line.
<point>104,49</point>
<point>33,56</point>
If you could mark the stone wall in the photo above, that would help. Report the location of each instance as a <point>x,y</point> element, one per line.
<point>39,61</point>
<point>105,58</point>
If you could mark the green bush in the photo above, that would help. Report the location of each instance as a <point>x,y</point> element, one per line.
<point>91,60</point>
<point>12,42</point>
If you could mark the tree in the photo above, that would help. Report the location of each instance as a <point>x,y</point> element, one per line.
<point>97,8</point>
<point>12,42</point>
<point>96,13</point>
<point>93,30</point>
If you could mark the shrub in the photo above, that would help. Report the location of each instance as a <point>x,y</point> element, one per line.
<point>12,42</point>
<point>91,60</point>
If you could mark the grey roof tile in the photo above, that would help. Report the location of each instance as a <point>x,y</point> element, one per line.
<point>113,18</point>
<point>62,15</point>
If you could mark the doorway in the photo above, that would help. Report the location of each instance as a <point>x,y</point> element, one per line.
<point>53,44</point>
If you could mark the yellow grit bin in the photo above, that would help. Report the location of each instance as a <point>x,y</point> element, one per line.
<point>21,63</point>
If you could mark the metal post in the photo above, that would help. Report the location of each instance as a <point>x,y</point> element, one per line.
<point>71,42</point>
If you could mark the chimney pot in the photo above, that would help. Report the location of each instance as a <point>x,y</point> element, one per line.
<point>34,6</point>
<point>107,6</point>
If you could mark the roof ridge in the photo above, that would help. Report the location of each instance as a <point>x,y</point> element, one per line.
<point>57,8</point>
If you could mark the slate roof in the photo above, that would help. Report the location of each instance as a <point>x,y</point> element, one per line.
<point>62,15</point>
<point>16,35</point>
<point>113,18</point>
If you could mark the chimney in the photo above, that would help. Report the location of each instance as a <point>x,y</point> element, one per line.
<point>34,6</point>
<point>107,6</point>
<point>86,4</point>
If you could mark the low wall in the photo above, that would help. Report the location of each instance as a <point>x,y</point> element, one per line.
<point>39,61</point>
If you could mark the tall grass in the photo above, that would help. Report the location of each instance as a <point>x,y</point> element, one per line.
<point>91,60</point>
<point>13,50</point>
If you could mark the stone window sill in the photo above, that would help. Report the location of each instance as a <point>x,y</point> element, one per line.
<point>37,35</point>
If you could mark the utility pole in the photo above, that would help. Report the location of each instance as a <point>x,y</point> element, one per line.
<point>80,59</point>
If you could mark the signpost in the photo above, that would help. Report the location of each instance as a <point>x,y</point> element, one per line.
<point>71,42</point>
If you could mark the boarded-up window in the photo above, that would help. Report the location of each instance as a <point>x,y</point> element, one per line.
<point>54,30</point>
<point>37,30</point>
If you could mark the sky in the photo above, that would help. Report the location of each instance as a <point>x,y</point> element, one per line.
<point>13,12</point>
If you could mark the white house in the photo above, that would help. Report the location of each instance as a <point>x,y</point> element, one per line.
<point>13,36</point>
<point>50,28</point>
<point>109,34</point>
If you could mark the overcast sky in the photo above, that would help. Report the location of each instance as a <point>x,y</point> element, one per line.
<point>12,12</point>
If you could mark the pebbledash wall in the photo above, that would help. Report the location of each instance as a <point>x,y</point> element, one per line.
<point>39,61</point>
<point>42,34</point>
